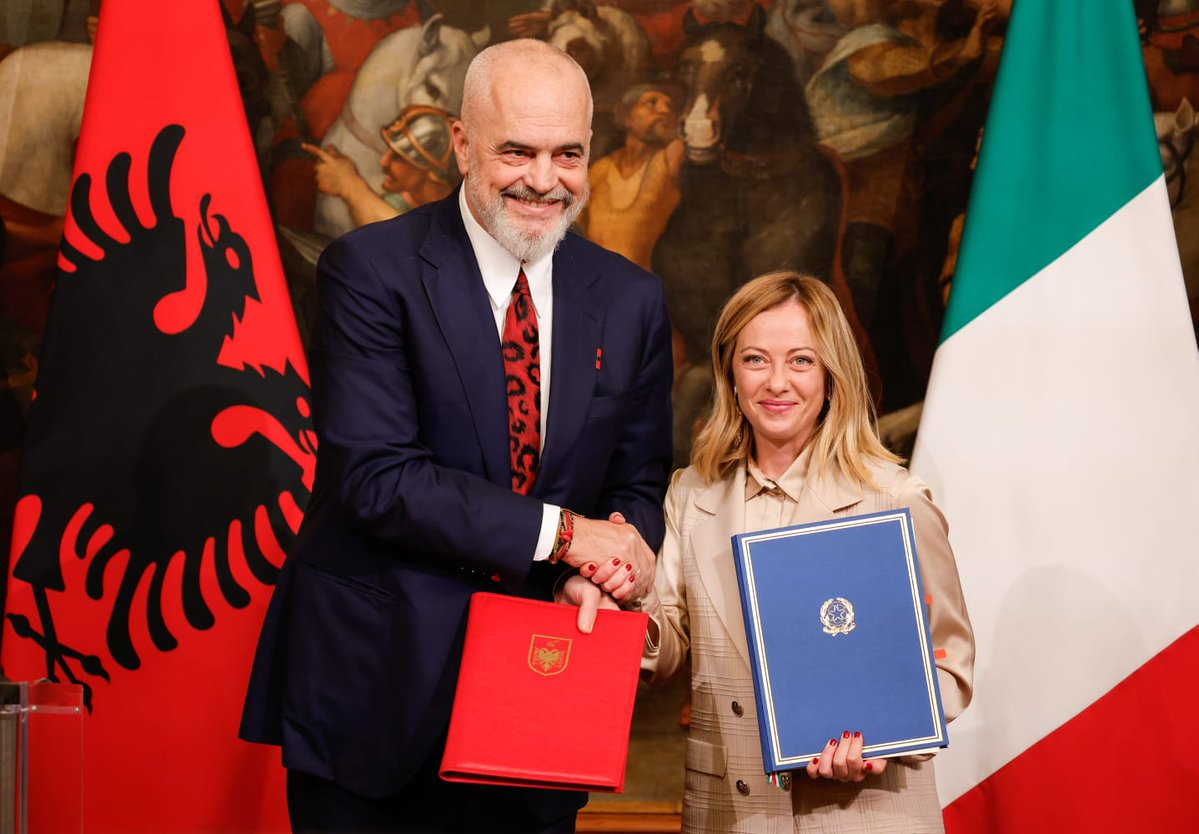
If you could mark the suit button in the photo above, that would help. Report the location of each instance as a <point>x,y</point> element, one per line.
<point>785,781</point>
<point>737,710</point>
<point>742,788</point>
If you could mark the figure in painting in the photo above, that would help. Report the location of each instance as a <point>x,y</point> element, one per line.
<point>866,101</point>
<point>418,167</point>
<point>424,65</point>
<point>635,189</point>
<point>320,46</point>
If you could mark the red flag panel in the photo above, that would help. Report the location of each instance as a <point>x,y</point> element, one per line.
<point>170,451</point>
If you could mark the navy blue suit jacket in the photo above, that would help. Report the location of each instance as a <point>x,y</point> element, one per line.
<point>412,510</point>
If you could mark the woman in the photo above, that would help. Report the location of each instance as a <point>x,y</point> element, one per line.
<point>791,440</point>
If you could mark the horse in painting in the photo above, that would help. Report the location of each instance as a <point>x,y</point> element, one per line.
<point>757,192</point>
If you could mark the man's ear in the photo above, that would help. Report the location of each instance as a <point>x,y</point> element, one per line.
<point>459,138</point>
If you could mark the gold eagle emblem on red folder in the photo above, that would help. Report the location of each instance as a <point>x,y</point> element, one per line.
<point>548,655</point>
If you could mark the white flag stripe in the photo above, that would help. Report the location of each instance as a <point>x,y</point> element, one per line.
<point>1061,436</point>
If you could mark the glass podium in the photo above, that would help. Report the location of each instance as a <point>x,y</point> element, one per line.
<point>41,758</point>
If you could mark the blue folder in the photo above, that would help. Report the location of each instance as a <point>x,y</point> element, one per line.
<point>839,638</point>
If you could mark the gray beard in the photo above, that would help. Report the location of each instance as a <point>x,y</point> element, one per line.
<point>525,247</point>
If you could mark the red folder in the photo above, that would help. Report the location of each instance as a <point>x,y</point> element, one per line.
<point>540,704</point>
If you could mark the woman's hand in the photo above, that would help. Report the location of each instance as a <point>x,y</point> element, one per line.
<point>623,578</point>
<point>842,760</point>
<point>580,591</point>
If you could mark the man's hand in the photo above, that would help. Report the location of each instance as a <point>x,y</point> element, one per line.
<point>582,592</point>
<point>612,555</point>
<point>336,174</point>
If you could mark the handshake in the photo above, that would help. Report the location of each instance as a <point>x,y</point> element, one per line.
<point>614,566</point>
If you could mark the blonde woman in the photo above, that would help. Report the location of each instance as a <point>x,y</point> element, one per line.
<point>791,440</point>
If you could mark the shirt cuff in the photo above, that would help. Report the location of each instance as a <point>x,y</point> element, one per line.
<point>549,532</point>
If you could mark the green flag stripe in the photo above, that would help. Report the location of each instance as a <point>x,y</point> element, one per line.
<point>1069,140</point>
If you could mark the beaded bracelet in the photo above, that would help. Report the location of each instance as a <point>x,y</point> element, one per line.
<point>566,532</point>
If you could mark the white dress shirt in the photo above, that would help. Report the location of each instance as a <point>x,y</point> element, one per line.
<point>500,268</point>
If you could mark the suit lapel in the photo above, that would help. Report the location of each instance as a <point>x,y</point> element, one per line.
<point>456,293</point>
<point>577,316</point>
<point>828,495</point>
<point>710,540</point>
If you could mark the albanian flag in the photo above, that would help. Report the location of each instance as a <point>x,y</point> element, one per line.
<point>170,453</point>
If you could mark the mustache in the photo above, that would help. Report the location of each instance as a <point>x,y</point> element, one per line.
<point>523,192</point>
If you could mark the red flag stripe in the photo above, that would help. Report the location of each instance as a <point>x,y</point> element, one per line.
<point>1120,766</point>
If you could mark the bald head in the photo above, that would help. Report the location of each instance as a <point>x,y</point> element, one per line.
<point>519,61</point>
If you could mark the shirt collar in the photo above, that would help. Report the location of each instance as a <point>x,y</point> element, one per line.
<point>499,267</point>
<point>791,482</point>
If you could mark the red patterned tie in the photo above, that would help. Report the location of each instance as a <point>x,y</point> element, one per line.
<point>522,366</point>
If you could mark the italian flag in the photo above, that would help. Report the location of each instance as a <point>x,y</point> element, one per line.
<point>1061,437</point>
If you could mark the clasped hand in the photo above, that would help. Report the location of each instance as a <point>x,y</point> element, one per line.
<point>842,760</point>
<point>615,565</point>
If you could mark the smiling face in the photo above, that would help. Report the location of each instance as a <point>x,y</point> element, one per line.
<point>781,383</point>
<point>523,151</point>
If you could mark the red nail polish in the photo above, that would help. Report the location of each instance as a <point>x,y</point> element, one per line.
<point>627,566</point>
<point>816,761</point>
<point>857,734</point>
<point>845,734</point>
<point>591,567</point>
<point>632,578</point>
<point>832,742</point>
<point>616,561</point>
<point>868,767</point>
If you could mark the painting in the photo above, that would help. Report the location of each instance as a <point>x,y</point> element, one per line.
<point>730,137</point>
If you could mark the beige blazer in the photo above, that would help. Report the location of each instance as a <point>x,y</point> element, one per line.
<point>697,606</point>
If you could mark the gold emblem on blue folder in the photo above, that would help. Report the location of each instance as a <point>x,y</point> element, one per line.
<point>837,616</point>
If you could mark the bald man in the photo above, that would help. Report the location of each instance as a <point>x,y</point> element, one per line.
<point>492,402</point>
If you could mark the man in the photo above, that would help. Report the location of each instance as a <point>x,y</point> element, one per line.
<point>418,167</point>
<point>448,466</point>
<point>635,189</point>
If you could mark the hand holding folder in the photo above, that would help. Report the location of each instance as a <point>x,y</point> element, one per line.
<point>523,663</point>
<point>843,594</point>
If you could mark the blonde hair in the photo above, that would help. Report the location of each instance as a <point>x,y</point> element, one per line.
<point>846,437</point>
